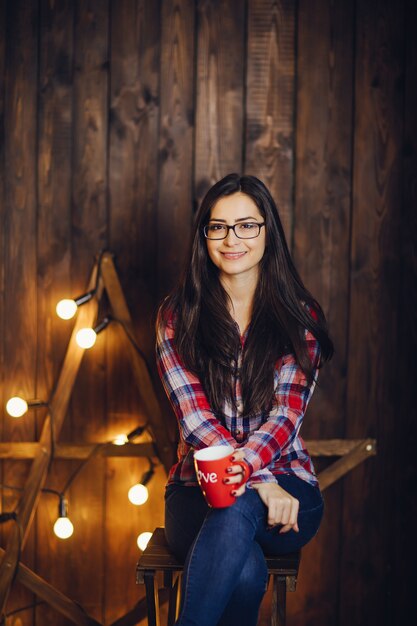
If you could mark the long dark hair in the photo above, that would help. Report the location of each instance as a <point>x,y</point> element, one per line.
<point>206,336</point>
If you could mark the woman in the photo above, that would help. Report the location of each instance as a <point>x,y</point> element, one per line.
<point>239,344</point>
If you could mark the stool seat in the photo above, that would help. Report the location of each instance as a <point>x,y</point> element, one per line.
<point>157,557</point>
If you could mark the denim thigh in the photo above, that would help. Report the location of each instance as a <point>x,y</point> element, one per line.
<point>309,518</point>
<point>186,509</point>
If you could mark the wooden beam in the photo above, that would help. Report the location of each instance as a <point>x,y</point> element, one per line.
<point>337,447</point>
<point>28,450</point>
<point>166,449</point>
<point>52,596</point>
<point>135,615</point>
<point>140,610</point>
<point>81,451</point>
<point>364,449</point>
<point>57,411</point>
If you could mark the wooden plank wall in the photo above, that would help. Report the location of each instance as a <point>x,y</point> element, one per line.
<point>55,141</point>
<point>405,473</point>
<point>133,185</point>
<point>321,249</point>
<point>116,117</point>
<point>374,259</point>
<point>19,253</point>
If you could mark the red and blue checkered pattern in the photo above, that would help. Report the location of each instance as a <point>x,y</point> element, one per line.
<point>271,441</point>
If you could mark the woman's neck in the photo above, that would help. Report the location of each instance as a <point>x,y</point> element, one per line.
<point>241,293</point>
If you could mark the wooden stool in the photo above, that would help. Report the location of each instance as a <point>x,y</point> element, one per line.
<point>158,558</point>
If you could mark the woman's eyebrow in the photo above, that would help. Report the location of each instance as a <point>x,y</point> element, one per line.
<point>240,219</point>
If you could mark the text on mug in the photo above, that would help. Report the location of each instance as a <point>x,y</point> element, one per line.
<point>210,477</point>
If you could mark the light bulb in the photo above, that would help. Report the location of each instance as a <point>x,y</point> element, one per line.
<point>66,309</point>
<point>138,494</point>
<point>16,407</point>
<point>120,440</point>
<point>143,540</point>
<point>86,338</point>
<point>63,527</point>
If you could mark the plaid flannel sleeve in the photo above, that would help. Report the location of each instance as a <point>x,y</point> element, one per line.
<point>292,395</point>
<point>198,425</point>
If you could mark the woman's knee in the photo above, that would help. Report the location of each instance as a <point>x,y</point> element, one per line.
<point>247,506</point>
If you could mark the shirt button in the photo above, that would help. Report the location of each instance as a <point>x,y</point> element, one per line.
<point>238,431</point>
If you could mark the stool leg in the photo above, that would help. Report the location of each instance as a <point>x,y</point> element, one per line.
<point>279,597</point>
<point>152,599</point>
<point>174,601</point>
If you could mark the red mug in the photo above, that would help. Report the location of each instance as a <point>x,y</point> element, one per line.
<point>210,465</point>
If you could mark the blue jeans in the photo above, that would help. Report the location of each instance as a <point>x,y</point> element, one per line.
<point>225,573</point>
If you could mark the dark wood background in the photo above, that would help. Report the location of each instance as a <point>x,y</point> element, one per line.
<point>116,116</point>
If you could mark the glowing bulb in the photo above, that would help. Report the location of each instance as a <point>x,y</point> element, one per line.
<point>66,309</point>
<point>63,528</point>
<point>16,407</point>
<point>143,540</point>
<point>86,338</point>
<point>120,440</point>
<point>138,494</point>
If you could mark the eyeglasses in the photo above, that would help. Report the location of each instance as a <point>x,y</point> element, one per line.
<point>245,230</point>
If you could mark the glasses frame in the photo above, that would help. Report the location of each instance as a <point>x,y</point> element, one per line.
<point>229,228</point>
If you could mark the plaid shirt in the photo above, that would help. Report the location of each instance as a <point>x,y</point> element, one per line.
<point>270,440</point>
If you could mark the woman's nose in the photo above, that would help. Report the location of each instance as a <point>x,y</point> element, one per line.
<point>231,238</point>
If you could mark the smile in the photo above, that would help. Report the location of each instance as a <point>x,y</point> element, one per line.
<point>233,256</point>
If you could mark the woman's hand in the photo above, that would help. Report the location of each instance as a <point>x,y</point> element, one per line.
<point>282,506</point>
<point>236,474</point>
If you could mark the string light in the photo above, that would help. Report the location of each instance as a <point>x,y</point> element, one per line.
<point>63,527</point>
<point>143,540</point>
<point>86,337</point>
<point>120,440</point>
<point>17,406</point>
<point>138,494</point>
<point>67,308</point>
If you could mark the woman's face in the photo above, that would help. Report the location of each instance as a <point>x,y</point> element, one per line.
<point>233,256</point>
